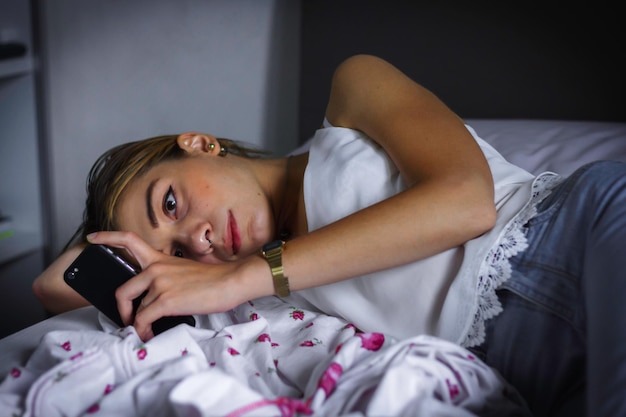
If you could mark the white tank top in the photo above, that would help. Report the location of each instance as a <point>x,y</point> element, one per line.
<point>441,295</point>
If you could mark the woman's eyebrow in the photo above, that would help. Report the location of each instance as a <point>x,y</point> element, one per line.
<point>149,208</point>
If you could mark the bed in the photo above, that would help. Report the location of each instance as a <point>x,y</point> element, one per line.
<point>270,357</point>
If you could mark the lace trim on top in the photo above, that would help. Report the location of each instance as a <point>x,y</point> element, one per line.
<point>496,268</point>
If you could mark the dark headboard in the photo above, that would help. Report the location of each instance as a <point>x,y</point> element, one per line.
<point>495,60</point>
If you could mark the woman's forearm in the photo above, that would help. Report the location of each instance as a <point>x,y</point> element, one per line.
<point>424,220</point>
<point>52,291</point>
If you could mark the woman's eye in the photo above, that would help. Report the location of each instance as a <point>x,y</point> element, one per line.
<point>178,253</point>
<point>169,202</point>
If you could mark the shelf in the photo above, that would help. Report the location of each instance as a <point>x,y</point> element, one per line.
<point>15,66</point>
<point>20,244</point>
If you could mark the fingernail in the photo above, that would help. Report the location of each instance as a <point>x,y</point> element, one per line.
<point>91,236</point>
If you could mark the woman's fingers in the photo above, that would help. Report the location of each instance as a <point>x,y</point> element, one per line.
<point>127,293</point>
<point>142,253</point>
<point>143,320</point>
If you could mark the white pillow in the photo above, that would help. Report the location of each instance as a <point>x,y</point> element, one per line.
<point>549,145</point>
<point>553,145</point>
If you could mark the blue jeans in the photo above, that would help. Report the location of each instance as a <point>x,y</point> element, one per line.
<point>561,339</point>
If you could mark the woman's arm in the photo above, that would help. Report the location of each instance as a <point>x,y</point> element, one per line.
<point>450,195</point>
<point>52,291</point>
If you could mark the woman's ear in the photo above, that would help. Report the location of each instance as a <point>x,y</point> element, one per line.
<point>194,142</point>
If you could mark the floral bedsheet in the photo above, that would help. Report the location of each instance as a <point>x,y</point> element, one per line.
<point>264,358</point>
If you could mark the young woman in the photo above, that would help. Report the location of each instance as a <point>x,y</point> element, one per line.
<point>398,218</point>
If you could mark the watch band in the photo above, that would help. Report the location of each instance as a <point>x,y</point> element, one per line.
<point>273,253</point>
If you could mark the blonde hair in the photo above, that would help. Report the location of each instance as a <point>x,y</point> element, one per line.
<point>116,168</point>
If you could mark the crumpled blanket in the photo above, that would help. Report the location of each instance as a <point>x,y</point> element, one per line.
<point>264,358</point>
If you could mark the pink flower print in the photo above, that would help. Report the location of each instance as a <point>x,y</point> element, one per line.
<point>232,352</point>
<point>372,341</point>
<point>67,346</point>
<point>184,352</point>
<point>274,344</point>
<point>286,407</point>
<point>453,389</point>
<point>471,357</point>
<point>16,373</point>
<point>212,364</point>
<point>264,338</point>
<point>309,325</point>
<point>108,389</point>
<point>142,352</point>
<point>349,326</point>
<point>338,348</point>
<point>78,355</point>
<point>309,343</point>
<point>329,379</point>
<point>251,303</point>
<point>253,316</point>
<point>297,314</point>
<point>93,409</point>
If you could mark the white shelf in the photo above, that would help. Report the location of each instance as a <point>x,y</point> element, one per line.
<point>20,244</point>
<point>15,66</point>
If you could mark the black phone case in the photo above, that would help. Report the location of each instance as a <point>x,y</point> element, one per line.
<point>97,272</point>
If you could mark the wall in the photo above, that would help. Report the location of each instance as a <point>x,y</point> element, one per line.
<point>485,59</point>
<point>122,70</point>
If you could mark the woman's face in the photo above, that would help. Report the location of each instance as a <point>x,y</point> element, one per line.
<point>204,207</point>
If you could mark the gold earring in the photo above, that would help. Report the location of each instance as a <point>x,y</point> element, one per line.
<point>223,151</point>
<point>211,147</point>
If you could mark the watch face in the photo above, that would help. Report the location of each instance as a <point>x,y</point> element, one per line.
<point>272,245</point>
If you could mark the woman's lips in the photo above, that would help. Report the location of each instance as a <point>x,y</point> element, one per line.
<point>234,234</point>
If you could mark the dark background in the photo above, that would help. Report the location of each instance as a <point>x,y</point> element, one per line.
<point>485,60</point>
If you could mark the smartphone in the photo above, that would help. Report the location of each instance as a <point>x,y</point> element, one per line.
<point>97,272</point>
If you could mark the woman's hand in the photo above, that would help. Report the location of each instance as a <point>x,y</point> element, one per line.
<point>177,286</point>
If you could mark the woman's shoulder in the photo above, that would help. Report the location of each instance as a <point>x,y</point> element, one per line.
<point>358,84</point>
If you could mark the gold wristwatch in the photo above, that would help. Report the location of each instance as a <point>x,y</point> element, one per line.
<point>273,254</point>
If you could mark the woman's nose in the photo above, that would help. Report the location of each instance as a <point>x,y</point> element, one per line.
<point>199,238</point>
